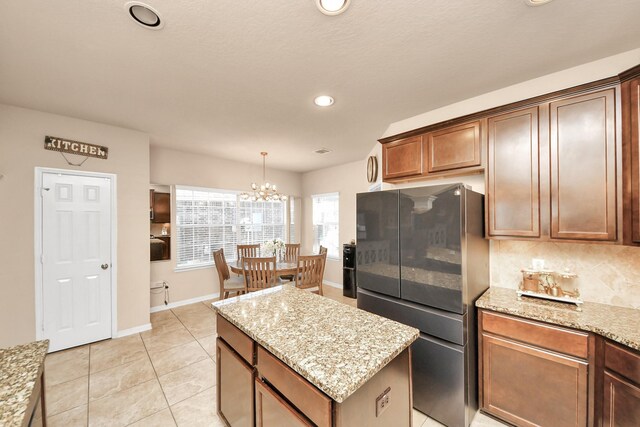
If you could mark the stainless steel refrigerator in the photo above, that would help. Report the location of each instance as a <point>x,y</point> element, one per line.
<point>422,260</point>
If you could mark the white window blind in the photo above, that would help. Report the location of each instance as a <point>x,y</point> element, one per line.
<point>326,212</point>
<point>207,220</point>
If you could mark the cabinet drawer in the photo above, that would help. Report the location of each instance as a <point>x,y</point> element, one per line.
<point>272,410</point>
<point>236,339</point>
<point>314,404</point>
<point>551,337</point>
<point>623,361</point>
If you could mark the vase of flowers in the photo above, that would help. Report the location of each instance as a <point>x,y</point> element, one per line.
<point>273,247</point>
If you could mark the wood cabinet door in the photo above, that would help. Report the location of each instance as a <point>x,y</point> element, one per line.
<point>513,174</point>
<point>633,117</point>
<point>234,386</point>
<point>529,386</point>
<point>161,207</point>
<point>583,167</point>
<point>274,411</point>
<point>402,158</point>
<point>453,148</point>
<point>621,406</point>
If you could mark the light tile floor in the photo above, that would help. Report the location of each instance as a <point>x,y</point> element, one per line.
<point>151,379</point>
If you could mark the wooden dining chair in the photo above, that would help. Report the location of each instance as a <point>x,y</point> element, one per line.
<point>248,251</point>
<point>227,283</point>
<point>323,250</point>
<point>259,273</point>
<point>311,271</point>
<point>291,252</point>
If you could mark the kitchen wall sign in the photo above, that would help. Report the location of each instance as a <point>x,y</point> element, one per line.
<point>75,147</point>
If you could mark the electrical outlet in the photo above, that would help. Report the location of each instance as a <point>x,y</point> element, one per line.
<point>157,285</point>
<point>383,401</point>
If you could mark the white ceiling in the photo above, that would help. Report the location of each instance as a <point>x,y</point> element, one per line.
<point>232,78</point>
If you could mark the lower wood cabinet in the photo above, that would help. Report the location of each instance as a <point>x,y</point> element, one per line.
<point>537,374</point>
<point>236,377</point>
<point>531,384</point>
<point>273,411</point>
<point>621,407</point>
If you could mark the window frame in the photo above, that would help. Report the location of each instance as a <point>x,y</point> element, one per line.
<point>316,244</point>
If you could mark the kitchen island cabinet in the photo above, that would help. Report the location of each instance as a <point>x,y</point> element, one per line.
<point>301,359</point>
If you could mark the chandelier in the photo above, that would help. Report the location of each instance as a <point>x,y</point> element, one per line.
<point>264,192</point>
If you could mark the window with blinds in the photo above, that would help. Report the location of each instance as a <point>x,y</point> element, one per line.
<point>292,215</point>
<point>207,220</point>
<point>326,212</point>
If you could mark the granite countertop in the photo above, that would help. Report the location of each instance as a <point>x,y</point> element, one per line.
<point>20,368</point>
<point>619,324</point>
<point>336,347</point>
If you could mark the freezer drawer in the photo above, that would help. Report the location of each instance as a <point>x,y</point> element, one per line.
<point>438,380</point>
<point>438,323</point>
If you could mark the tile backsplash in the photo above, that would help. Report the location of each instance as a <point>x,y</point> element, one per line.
<point>608,274</point>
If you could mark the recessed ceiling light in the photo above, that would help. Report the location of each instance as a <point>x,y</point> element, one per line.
<point>536,2</point>
<point>323,101</point>
<point>144,15</point>
<point>332,7</point>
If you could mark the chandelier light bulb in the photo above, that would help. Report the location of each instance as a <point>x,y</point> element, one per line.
<point>254,186</point>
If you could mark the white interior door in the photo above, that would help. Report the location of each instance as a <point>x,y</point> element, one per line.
<point>76,259</point>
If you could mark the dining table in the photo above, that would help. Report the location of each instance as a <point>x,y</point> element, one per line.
<point>283,268</point>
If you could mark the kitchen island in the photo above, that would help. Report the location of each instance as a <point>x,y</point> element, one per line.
<point>290,357</point>
<point>22,384</point>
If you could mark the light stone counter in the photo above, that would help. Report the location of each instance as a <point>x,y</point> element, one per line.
<point>20,369</point>
<point>336,347</point>
<point>619,324</point>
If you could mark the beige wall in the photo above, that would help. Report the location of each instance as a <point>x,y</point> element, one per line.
<point>347,179</point>
<point>171,167</point>
<point>607,274</point>
<point>592,71</point>
<point>22,135</point>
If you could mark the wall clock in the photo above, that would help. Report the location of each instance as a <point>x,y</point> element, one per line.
<point>372,169</point>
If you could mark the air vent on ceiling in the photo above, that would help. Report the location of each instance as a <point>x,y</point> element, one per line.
<point>322,151</point>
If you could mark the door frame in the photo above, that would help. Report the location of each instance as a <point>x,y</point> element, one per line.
<point>39,171</point>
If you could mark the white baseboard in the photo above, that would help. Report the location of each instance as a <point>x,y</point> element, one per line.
<point>183,302</point>
<point>132,331</point>
<point>332,284</point>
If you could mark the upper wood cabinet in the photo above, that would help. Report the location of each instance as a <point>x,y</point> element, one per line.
<point>634,137</point>
<point>161,207</point>
<point>447,151</point>
<point>452,148</point>
<point>513,174</point>
<point>583,167</point>
<point>631,157</point>
<point>402,159</point>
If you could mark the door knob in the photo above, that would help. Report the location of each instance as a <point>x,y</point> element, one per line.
<point>104,266</point>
